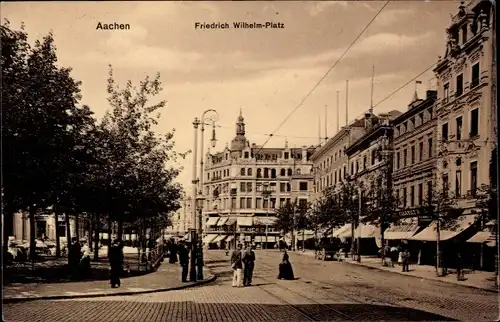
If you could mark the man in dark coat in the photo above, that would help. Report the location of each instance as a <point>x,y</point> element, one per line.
<point>249,262</point>
<point>74,257</point>
<point>183,260</point>
<point>116,263</point>
<point>174,248</point>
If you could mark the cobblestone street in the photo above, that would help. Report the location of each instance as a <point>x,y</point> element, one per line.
<point>323,291</point>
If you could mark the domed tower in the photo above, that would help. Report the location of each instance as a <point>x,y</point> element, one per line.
<point>240,141</point>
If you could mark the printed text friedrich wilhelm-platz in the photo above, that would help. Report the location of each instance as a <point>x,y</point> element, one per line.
<point>239,25</point>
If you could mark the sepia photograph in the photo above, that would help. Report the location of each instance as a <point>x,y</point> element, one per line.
<point>243,161</point>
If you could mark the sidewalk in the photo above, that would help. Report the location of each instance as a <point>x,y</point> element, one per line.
<point>475,279</point>
<point>166,278</point>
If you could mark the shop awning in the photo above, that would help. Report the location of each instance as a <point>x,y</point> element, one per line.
<point>405,229</point>
<point>480,237</point>
<point>263,221</point>
<point>229,238</point>
<point>258,239</point>
<point>219,238</point>
<point>344,231</point>
<point>461,224</point>
<point>306,234</point>
<point>212,221</point>
<point>367,231</point>
<point>245,221</point>
<point>222,221</point>
<point>209,238</point>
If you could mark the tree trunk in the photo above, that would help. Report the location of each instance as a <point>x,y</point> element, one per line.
<point>91,228</point>
<point>77,227</point>
<point>120,229</point>
<point>352,238</point>
<point>110,232</point>
<point>68,235</point>
<point>58,241</point>
<point>96,237</point>
<point>438,251</point>
<point>32,233</point>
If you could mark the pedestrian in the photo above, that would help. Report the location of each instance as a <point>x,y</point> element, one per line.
<point>85,260</point>
<point>249,262</point>
<point>74,258</point>
<point>173,253</point>
<point>285,269</point>
<point>394,255</point>
<point>460,267</point>
<point>405,257</point>
<point>115,262</point>
<point>183,260</point>
<point>237,266</point>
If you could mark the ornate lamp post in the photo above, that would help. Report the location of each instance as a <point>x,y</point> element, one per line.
<point>192,268</point>
<point>200,196</point>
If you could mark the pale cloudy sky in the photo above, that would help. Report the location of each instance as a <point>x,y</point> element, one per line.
<point>265,72</point>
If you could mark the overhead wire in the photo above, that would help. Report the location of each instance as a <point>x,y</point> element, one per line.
<point>314,87</point>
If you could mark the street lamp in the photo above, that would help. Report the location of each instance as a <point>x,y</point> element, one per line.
<point>204,118</point>
<point>192,268</point>
<point>266,193</point>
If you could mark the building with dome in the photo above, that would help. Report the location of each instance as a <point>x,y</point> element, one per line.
<point>244,185</point>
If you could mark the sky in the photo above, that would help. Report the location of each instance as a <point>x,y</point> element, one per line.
<point>264,72</point>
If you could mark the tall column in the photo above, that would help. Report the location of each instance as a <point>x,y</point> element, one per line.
<point>192,271</point>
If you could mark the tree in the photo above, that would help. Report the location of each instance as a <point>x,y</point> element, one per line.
<point>41,121</point>
<point>292,216</point>
<point>382,204</point>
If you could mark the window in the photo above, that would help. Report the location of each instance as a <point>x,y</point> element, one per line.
<point>242,171</point>
<point>335,178</point>
<point>429,143</point>
<point>398,157</point>
<point>458,183</point>
<point>273,203</point>
<point>446,92</point>
<point>474,122</point>
<point>429,192</point>
<point>397,196</point>
<point>459,128</point>
<point>460,85</point>
<point>444,131</point>
<point>445,181</point>
<point>282,202</point>
<point>374,156</point>
<point>259,173</point>
<point>249,187</point>
<point>405,157</point>
<point>412,154</point>
<point>249,203</point>
<point>265,203</point>
<point>473,177</point>
<point>273,173</point>
<point>247,155</point>
<point>233,203</point>
<point>273,186</point>
<point>404,197</point>
<point>303,186</point>
<point>258,203</point>
<point>475,76</point>
<point>266,173</point>
<point>243,203</point>
<point>302,202</point>
<point>420,194</point>
<point>243,186</point>
<point>282,186</point>
<point>412,196</point>
<point>352,168</point>
<point>420,151</point>
<point>288,187</point>
<point>345,172</point>
<point>289,172</point>
<point>286,155</point>
<point>283,172</point>
<point>464,34</point>
<point>357,166</point>
<point>249,171</point>
<point>364,162</point>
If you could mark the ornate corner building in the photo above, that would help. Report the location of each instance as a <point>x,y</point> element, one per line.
<point>244,185</point>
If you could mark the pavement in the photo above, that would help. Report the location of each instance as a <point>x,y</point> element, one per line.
<point>166,278</point>
<point>323,291</point>
<point>476,279</point>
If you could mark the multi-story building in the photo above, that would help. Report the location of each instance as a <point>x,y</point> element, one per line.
<point>244,185</point>
<point>330,161</point>
<point>181,219</point>
<point>465,109</point>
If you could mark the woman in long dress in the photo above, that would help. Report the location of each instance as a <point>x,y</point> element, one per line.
<point>285,269</point>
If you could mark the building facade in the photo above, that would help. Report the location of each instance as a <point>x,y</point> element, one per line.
<point>182,219</point>
<point>414,156</point>
<point>45,227</point>
<point>465,110</point>
<point>244,185</point>
<point>330,161</point>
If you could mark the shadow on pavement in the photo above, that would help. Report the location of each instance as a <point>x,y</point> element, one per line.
<point>180,311</point>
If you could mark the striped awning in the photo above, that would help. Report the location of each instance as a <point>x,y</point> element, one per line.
<point>245,221</point>
<point>343,232</point>
<point>219,238</point>
<point>429,233</point>
<point>212,221</point>
<point>404,230</point>
<point>230,222</point>
<point>263,221</point>
<point>222,221</point>
<point>209,238</point>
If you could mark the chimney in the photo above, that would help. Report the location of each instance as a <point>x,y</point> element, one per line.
<point>431,94</point>
<point>368,120</point>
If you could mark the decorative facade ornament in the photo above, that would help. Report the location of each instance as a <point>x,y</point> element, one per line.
<point>461,9</point>
<point>483,20</point>
<point>459,64</point>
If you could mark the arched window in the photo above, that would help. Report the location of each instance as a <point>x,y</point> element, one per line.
<point>273,173</point>
<point>242,171</point>
<point>289,172</point>
<point>249,171</point>
<point>297,171</point>
<point>266,173</point>
<point>283,172</point>
<point>259,173</point>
